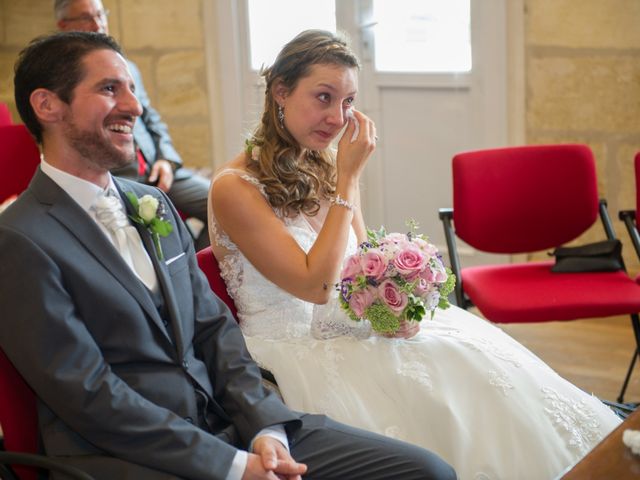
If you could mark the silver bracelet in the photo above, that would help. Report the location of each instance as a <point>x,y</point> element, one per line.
<point>338,200</point>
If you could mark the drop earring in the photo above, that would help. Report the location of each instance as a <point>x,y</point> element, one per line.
<point>281,115</point>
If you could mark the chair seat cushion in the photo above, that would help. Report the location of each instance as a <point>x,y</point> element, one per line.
<point>530,292</point>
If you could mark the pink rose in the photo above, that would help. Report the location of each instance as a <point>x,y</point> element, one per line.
<point>392,296</point>
<point>409,260</point>
<point>393,243</point>
<point>351,267</point>
<point>428,275</point>
<point>395,238</point>
<point>439,272</point>
<point>423,286</point>
<point>373,263</point>
<point>441,277</point>
<point>361,300</point>
<point>427,248</point>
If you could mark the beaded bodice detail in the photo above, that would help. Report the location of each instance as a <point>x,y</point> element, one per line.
<point>264,309</point>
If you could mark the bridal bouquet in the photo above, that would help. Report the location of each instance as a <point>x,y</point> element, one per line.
<point>392,278</point>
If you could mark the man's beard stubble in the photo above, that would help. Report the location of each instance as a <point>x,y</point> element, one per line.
<point>96,149</point>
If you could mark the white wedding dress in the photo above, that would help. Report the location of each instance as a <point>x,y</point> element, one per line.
<point>461,388</point>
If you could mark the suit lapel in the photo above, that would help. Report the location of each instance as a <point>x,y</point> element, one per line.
<point>67,212</point>
<point>160,267</point>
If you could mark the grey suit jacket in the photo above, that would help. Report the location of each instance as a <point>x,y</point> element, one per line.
<point>116,382</point>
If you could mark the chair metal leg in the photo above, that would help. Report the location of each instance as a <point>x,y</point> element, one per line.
<point>7,474</point>
<point>626,379</point>
<point>635,323</point>
<point>40,461</point>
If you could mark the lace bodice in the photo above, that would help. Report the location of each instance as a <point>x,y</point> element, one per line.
<point>264,309</point>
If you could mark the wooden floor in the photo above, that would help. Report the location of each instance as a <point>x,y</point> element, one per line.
<point>593,354</point>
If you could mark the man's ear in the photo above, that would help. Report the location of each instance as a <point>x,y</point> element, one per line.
<point>46,105</point>
<point>280,92</point>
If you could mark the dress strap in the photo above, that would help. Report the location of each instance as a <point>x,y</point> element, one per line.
<point>242,174</point>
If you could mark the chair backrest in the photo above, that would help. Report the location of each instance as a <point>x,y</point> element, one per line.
<point>636,166</point>
<point>19,158</point>
<point>524,199</point>
<point>5,115</point>
<point>209,265</point>
<point>18,415</point>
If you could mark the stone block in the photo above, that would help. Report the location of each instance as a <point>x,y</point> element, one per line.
<point>193,142</point>
<point>165,24</point>
<point>145,65</point>
<point>27,19</point>
<point>115,29</point>
<point>181,84</point>
<point>7,60</point>
<point>585,24</point>
<point>584,93</point>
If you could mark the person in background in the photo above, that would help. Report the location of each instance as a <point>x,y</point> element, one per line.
<point>158,161</point>
<point>140,372</point>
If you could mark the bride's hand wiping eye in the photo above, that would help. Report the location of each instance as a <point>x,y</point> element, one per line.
<point>356,145</point>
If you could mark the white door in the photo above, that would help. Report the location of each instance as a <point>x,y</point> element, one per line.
<point>423,117</point>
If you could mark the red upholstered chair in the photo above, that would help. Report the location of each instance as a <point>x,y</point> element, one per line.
<point>526,199</point>
<point>18,417</point>
<point>209,265</point>
<point>5,115</point>
<point>19,158</point>
<point>631,220</point>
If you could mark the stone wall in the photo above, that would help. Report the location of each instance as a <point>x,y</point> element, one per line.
<point>582,71</point>
<point>583,86</point>
<point>164,38</point>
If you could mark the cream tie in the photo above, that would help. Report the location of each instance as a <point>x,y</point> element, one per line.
<point>109,211</point>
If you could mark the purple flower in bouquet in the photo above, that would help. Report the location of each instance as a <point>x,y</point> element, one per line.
<point>394,278</point>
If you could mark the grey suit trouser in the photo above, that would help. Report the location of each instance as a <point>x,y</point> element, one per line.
<point>331,450</point>
<point>337,451</point>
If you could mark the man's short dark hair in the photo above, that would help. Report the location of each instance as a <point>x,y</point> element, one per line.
<point>54,62</point>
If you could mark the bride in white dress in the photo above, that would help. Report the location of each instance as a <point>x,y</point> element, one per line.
<point>284,215</point>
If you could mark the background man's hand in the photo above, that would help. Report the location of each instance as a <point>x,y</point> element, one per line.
<point>162,171</point>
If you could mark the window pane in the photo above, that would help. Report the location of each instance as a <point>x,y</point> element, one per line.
<point>272,23</point>
<point>422,35</point>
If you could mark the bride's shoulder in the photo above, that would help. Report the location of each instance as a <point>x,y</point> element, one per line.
<point>233,180</point>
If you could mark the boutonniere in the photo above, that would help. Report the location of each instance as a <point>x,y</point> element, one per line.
<point>149,212</point>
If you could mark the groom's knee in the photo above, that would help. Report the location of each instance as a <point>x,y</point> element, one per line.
<point>336,450</point>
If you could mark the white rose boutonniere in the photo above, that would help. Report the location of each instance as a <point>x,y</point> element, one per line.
<point>149,212</point>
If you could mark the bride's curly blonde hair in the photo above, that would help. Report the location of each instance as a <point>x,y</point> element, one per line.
<point>294,183</point>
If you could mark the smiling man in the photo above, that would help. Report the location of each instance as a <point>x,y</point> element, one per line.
<point>158,162</point>
<point>140,372</point>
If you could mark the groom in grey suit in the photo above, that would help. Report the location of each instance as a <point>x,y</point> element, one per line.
<point>140,376</point>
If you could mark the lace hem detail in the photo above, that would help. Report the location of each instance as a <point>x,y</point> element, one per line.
<point>501,381</point>
<point>576,419</point>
